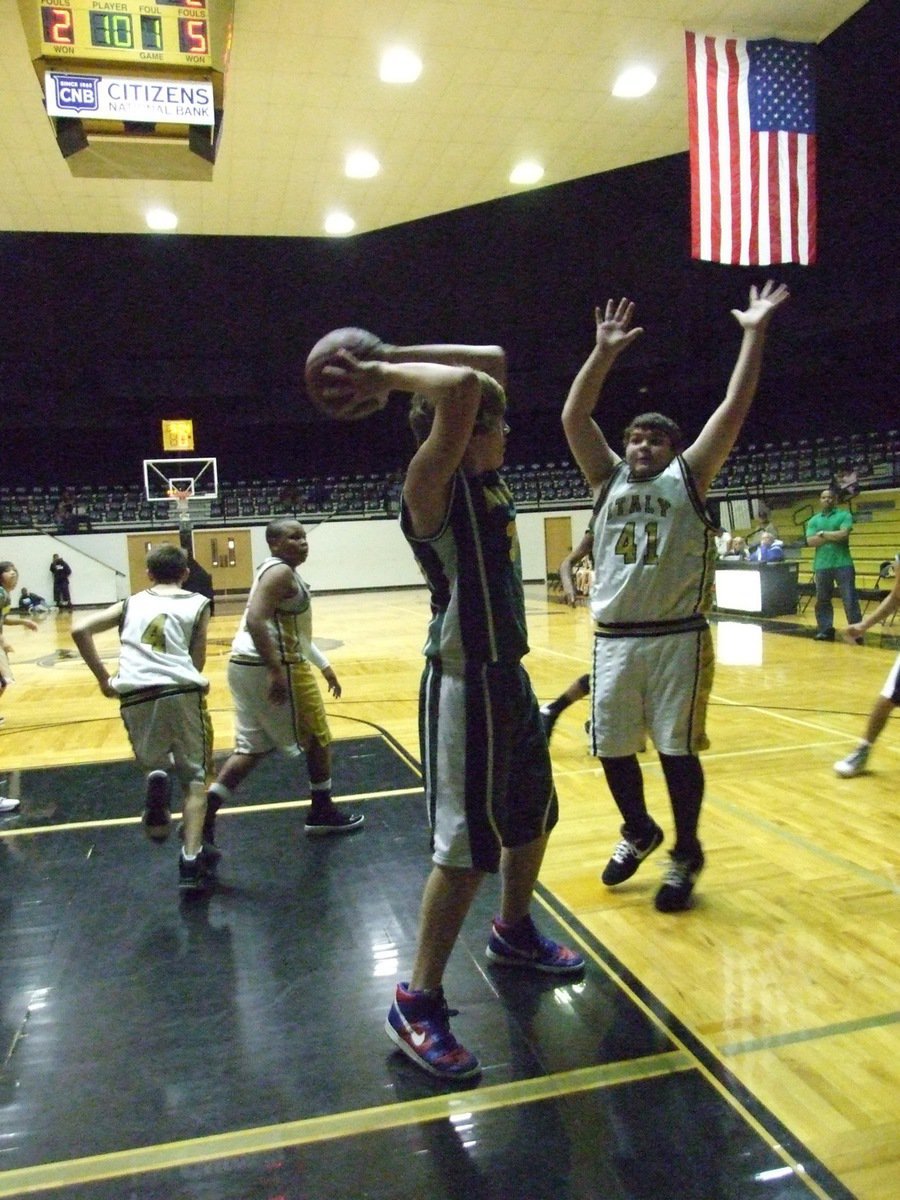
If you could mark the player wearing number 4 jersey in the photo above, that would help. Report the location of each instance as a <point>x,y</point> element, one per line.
<point>653,557</point>
<point>162,692</point>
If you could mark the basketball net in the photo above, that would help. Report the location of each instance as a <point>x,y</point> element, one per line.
<point>182,500</point>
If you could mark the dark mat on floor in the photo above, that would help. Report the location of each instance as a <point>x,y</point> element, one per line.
<point>132,1018</point>
<point>93,792</point>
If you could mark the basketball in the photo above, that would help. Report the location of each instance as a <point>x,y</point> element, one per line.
<point>362,345</point>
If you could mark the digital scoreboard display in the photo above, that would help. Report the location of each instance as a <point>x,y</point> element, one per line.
<point>115,73</point>
<point>186,33</point>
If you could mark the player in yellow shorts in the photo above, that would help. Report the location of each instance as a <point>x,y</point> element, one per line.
<point>277,702</point>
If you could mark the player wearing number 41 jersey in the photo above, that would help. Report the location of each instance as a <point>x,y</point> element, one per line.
<point>653,562</point>
<point>162,692</point>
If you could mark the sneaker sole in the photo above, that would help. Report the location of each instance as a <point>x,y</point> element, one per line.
<point>423,1064</point>
<point>501,960</point>
<point>332,830</point>
<point>682,906</point>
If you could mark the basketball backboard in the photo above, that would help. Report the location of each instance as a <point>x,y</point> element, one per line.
<point>165,477</point>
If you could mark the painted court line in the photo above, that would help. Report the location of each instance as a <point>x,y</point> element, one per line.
<point>197,1151</point>
<point>237,810</point>
<point>752,1045</point>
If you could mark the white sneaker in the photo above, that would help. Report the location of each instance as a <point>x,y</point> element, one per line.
<point>854,763</point>
<point>8,804</point>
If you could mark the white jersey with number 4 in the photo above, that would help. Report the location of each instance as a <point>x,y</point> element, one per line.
<point>156,632</point>
<point>654,550</point>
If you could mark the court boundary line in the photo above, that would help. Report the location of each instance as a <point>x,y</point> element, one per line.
<point>332,1126</point>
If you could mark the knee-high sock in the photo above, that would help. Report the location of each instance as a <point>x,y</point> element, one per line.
<point>626,782</point>
<point>684,779</point>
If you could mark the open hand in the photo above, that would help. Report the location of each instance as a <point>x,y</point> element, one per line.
<point>762,305</point>
<point>614,332</point>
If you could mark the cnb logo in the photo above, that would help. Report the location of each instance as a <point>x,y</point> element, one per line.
<point>77,92</point>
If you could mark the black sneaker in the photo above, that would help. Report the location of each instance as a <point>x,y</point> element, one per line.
<point>195,875</point>
<point>157,813</point>
<point>824,635</point>
<point>212,851</point>
<point>678,883</point>
<point>629,854</point>
<point>333,821</point>
<point>549,717</point>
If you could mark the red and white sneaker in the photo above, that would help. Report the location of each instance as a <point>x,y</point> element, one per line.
<point>522,945</point>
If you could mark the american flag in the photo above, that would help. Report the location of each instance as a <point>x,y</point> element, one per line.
<point>751,116</point>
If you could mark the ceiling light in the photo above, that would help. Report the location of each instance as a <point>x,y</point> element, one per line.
<point>360,164</point>
<point>339,223</point>
<point>161,220</point>
<point>634,81</point>
<point>526,172</point>
<point>399,65</point>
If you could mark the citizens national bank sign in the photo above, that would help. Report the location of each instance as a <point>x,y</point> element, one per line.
<point>128,98</point>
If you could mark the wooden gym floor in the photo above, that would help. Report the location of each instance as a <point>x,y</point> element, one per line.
<point>233,1049</point>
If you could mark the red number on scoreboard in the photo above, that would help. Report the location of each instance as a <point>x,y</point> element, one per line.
<point>58,26</point>
<point>192,36</point>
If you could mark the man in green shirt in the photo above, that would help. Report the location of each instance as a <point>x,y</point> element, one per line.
<point>829,532</point>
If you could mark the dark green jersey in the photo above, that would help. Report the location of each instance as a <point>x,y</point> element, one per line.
<point>473,570</point>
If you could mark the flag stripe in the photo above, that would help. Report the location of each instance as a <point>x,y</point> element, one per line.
<point>753,198</point>
<point>811,223</point>
<point>693,143</point>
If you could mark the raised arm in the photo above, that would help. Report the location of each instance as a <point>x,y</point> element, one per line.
<point>490,359</point>
<point>586,441</point>
<point>449,381</point>
<point>707,454</point>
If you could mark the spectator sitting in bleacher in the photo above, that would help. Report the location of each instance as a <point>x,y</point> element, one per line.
<point>846,482</point>
<point>769,550</point>
<point>764,526</point>
<point>737,551</point>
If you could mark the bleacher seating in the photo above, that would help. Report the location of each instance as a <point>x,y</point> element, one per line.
<point>769,469</point>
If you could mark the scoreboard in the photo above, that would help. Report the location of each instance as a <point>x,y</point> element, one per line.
<point>186,33</point>
<point>92,56</point>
